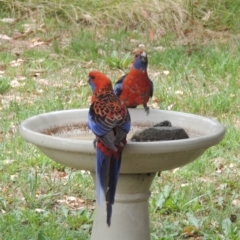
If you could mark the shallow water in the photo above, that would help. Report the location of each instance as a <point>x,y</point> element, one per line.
<point>82,132</point>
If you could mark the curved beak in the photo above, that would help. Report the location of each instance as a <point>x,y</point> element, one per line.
<point>144,56</point>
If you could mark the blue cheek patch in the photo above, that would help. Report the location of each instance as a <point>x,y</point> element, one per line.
<point>92,85</point>
<point>139,64</point>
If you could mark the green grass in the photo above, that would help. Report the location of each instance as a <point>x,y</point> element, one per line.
<point>194,64</point>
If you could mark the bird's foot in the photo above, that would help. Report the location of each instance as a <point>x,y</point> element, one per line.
<point>146,108</point>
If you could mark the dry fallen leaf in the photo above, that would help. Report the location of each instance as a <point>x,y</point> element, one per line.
<point>159,48</point>
<point>39,210</point>
<point>37,42</point>
<point>166,72</point>
<point>16,63</point>
<point>151,35</point>
<point>170,106</point>
<point>207,15</point>
<point>7,161</point>
<point>81,83</point>
<point>155,105</point>
<point>13,177</point>
<point>5,37</point>
<point>236,202</point>
<point>74,203</point>
<point>8,20</point>
<point>179,92</point>
<point>15,83</point>
<point>3,211</point>
<point>141,45</point>
<point>190,231</point>
<point>219,168</point>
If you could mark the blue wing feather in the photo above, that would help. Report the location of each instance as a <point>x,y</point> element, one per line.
<point>118,86</point>
<point>98,128</point>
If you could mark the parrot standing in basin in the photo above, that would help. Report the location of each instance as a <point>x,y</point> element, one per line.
<point>109,120</point>
<point>135,88</point>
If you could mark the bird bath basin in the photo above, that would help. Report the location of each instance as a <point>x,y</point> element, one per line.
<point>64,137</point>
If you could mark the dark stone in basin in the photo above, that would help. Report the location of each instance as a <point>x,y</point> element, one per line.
<point>163,131</point>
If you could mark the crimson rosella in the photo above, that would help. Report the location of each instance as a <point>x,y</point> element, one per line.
<point>135,88</point>
<point>109,120</point>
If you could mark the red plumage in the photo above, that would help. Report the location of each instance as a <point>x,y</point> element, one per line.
<point>135,88</point>
<point>109,120</point>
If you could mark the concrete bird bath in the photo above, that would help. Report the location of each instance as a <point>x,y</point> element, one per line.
<point>63,136</point>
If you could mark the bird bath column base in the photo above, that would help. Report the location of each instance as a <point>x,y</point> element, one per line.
<point>130,214</point>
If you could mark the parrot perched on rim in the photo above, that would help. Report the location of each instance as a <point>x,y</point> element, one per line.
<point>135,88</point>
<point>109,120</point>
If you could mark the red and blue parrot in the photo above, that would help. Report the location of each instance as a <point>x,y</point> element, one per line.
<point>135,88</point>
<point>109,120</point>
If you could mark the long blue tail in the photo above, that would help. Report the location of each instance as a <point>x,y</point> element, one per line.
<point>102,171</point>
<point>107,172</point>
<point>114,169</point>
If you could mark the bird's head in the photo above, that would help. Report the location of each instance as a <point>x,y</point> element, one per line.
<point>140,60</point>
<point>98,81</point>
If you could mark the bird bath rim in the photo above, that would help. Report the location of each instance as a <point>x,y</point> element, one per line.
<point>140,162</point>
<point>34,134</point>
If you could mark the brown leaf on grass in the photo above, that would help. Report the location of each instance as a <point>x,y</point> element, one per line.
<point>38,42</point>
<point>86,19</point>
<point>16,63</point>
<point>190,231</point>
<point>5,37</point>
<point>2,67</point>
<point>18,35</point>
<point>74,203</point>
<point>151,35</point>
<point>219,164</point>
<point>154,103</point>
<point>56,174</point>
<point>59,174</point>
<point>219,168</point>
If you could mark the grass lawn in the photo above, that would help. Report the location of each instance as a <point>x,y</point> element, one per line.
<point>46,52</point>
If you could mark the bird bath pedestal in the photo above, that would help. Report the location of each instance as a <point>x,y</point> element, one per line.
<point>63,137</point>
